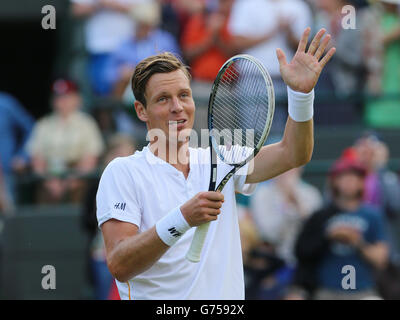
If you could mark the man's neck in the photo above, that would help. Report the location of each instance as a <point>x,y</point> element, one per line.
<point>177,156</point>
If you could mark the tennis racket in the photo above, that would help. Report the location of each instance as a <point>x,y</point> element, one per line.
<point>240,113</point>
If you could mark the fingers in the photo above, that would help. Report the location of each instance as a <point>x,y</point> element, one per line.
<point>315,42</point>
<point>322,47</point>
<point>281,57</point>
<point>212,196</point>
<point>303,41</point>
<point>327,57</point>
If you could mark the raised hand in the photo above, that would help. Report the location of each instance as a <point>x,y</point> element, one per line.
<point>302,73</point>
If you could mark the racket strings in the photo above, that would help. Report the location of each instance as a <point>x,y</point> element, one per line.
<point>240,111</point>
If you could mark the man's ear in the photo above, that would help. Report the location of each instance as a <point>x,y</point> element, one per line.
<point>141,111</point>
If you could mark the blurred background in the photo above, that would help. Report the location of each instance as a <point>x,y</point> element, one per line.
<point>66,110</point>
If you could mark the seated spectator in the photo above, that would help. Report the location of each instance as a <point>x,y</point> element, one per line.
<point>382,188</point>
<point>346,232</point>
<point>382,54</point>
<point>206,41</point>
<point>15,128</point>
<point>64,145</point>
<point>148,39</point>
<point>278,209</point>
<point>107,25</point>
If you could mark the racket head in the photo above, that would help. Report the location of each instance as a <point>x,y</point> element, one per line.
<point>240,110</point>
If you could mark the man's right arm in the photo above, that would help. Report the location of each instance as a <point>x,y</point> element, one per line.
<point>130,253</point>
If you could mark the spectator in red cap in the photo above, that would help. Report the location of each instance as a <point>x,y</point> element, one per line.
<point>345,238</point>
<point>63,143</point>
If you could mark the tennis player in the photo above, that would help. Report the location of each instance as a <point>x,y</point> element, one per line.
<point>149,203</point>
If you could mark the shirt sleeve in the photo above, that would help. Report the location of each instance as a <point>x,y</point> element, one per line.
<point>240,181</point>
<point>117,195</point>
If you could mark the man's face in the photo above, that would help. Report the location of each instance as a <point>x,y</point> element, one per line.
<point>349,185</point>
<point>170,106</point>
<point>67,103</point>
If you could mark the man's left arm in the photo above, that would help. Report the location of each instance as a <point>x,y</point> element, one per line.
<point>301,76</point>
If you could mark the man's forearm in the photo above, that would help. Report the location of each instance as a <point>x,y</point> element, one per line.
<point>299,141</point>
<point>136,254</point>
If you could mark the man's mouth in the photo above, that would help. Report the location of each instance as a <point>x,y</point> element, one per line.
<point>178,123</point>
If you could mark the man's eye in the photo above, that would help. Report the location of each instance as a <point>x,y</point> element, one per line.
<point>184,95</point>
<point>162,99</point>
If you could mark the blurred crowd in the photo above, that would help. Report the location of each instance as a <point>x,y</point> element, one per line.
<point>297,239</point>
<point>294,235</point>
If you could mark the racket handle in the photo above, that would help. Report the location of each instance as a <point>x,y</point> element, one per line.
<point>194,253</point>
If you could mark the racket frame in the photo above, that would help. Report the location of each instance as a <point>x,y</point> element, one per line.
<point>194,252</point>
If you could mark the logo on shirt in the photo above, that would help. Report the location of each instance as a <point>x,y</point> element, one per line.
<point>174,232</point>
<point>120,206</point>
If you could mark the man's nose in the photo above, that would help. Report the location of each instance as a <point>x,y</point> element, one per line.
<point>176,105</point>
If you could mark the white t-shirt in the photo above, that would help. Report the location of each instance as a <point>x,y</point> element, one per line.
<point>105,30</point>
<point>254,18</point>
<point>141,189</point>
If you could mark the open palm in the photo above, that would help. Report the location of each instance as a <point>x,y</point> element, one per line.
<point>302,73</point>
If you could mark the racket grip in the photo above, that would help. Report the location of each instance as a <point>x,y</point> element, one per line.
<point>194,253</point>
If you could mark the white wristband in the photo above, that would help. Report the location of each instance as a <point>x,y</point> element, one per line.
<point>172,226</point>
<point>301,105</point>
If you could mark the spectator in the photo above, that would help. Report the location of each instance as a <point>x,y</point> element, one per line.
<point>382,55</point>
<point>148,39</point>
<point>347,70</point>
<point>15,127</point>
<point>108,25</point>
<point>206,41</point>
<point>99,276</point>
<point>278,209</point>
<point>65,143</point>
<point>382,187</point>
<point>346,75</point>
<point>170,21</point>
<point>346,232</point>
<point>259,27</point>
